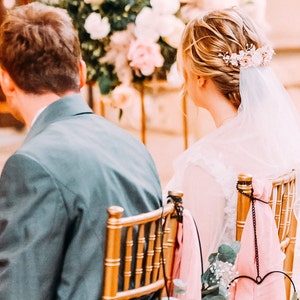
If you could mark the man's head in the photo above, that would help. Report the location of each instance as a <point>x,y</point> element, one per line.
<point>40,50</point>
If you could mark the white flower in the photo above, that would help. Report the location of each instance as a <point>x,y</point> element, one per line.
<point>173,77</point>
<point>257,59</point>
<point>167,25</point>
<point>173,37</point>
<point>166,6</point>
<point>225,273</point>
<point>146,28</point>
<point>96,26</point>
<point>190,11</point>
<point>234,59</point>
<point>267,53</point>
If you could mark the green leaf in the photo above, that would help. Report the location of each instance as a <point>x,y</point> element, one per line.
<point>226,254</point>
<point>212,257</point>
<point>211,290</point>
<point>104,85</point>
<point>216,297</point>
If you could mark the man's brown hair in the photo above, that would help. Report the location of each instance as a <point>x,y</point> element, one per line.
<point>40,49</point>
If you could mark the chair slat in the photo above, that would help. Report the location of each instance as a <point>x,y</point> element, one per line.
<point>157,251</point>
<point>139,256</point>
<point>150,253</point>
<point>278,202</point>
<point>169,247</point>
<point>284,221</point>
<point>128,259</point>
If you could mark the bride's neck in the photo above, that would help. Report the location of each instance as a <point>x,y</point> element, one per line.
<point>220,108</point>
<point>222,111</point>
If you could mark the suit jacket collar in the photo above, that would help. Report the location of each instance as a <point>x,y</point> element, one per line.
<point>63,108</point>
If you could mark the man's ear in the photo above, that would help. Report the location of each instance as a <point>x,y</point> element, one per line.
<point>7,84</point>
<point>82,73</point>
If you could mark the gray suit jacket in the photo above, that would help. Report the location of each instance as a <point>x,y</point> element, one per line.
<point>54,192</point>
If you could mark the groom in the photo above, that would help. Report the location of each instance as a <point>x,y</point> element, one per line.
<point>73,165</point>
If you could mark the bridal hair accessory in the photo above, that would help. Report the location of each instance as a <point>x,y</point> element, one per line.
<point>252,57</point>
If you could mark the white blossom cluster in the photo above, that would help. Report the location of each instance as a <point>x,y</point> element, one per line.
<point>251,57</point>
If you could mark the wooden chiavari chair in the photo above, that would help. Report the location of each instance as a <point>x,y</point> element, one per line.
<point>139,252</point>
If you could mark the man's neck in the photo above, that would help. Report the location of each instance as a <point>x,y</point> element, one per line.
<point>32,105</point>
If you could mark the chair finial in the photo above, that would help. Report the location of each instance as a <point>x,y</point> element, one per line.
<point>115,212</point>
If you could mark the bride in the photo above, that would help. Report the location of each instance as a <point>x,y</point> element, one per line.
<point>225,64</point>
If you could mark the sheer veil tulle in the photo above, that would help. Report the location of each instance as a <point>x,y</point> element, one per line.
<point>268,121</point>
<point>262,140</point>
<point>267,109</point>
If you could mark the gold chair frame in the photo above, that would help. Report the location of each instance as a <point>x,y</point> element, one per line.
<point>282,200</point>
<point>148,242</point>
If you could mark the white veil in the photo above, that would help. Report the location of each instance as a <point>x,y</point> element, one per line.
<point>268,113</point>
<point>262,140</point>
<point>266,132</point>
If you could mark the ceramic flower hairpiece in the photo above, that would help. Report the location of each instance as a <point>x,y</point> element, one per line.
<point>251,57</point>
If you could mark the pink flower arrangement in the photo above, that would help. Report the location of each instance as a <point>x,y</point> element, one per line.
<point>144,56</point>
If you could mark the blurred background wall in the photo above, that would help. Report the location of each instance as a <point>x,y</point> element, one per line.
<point>284,20</point>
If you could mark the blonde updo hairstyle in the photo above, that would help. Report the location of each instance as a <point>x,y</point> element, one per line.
<point>205,38</point>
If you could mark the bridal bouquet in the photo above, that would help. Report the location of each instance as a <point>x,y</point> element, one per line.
<point>219,274</point>
<point>217,278</point>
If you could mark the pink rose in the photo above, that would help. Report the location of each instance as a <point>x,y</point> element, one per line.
<point>144,56</point>
<point>123,96</point>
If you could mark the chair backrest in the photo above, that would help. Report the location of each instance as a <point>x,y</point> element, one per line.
<point>139,252</point>
<point>281,201</point>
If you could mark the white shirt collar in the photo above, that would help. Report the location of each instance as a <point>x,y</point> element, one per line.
<point>37,114</point>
